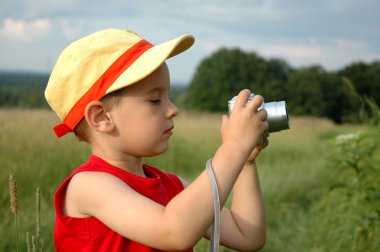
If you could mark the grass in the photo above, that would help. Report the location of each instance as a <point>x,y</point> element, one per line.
<point>291,170</point>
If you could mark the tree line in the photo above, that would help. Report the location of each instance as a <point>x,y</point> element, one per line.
<point>311,91</point>
<point>21,89</point>
<point>26,90</point>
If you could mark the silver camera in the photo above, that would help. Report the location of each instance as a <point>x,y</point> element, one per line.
<point>277,115</point>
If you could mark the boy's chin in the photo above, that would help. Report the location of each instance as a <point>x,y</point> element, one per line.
<point>158,151</point>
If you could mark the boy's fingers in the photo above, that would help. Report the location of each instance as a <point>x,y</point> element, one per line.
<point>264,143</point>
<point>242,99</point>
<point>256,102</point>
<point>224,120</point>
<point>263,114</point>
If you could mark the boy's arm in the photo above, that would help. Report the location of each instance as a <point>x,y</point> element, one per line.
<point>248,207</point>
<point>246,214</point>
<point>243,225</point>
<point>177,226</point>
<point>187,216</point>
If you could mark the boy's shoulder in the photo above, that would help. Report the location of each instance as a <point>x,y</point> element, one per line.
<point>84,191</point>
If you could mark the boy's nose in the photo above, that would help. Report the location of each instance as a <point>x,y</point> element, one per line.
<point>172,110</point>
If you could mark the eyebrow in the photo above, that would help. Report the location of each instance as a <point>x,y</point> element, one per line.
<point>156,89</point>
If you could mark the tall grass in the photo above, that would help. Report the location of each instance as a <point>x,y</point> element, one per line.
<point>14,202</point>
<point>292,170</point>
<point>38,159</point>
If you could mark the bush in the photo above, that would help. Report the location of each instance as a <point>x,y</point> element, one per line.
<point>349,211</point>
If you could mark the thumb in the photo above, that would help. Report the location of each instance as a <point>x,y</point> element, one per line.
<point>224,120</point>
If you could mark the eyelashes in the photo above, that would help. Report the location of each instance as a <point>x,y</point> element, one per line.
<point>156,101</point>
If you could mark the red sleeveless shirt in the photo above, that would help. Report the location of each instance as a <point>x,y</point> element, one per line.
<point>90,234</point>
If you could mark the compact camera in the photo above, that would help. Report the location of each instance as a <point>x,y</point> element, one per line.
<point>277,115</point>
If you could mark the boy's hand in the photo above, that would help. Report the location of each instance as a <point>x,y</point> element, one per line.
<point>256,151</point>
<point>245,124</point>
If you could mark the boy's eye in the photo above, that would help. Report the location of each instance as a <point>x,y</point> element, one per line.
<point>155,101</point>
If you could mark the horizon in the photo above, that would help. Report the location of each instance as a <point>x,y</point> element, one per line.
<point>181,83</point>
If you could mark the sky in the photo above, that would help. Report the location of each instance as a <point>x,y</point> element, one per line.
<point>330,33</point>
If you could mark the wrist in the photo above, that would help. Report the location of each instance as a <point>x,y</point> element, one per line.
<point>236,149</point>
<point>232,154</point>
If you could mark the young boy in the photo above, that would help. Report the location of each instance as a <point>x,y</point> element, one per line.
<point>111,89</point>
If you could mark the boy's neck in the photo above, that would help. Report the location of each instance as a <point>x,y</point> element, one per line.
<point>104,150</point>
<point>125,162</point>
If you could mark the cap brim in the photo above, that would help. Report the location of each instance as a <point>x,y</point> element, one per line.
<point>150,61</point>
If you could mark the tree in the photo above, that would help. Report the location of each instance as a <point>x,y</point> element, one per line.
<point>341,104</point>
<point>305,93</point>
<point>316,92</point>
<point>219,77</point>
<point>275,82</point>
<point>365,77</point>
<point>222,75</point>
<point>18,89</point>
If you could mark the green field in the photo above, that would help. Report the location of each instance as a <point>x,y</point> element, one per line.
<point>295,172</point>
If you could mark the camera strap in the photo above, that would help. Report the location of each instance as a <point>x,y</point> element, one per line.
<point>215,233</point>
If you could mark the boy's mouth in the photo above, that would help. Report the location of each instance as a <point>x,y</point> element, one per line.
<point>169,131</point>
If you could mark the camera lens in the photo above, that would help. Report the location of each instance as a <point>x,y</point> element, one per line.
<point>277,116</point>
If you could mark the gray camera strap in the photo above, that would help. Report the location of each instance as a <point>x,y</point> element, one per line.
<point>215,233</point>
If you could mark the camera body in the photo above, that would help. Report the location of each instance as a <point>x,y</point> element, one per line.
<point>277,115</point>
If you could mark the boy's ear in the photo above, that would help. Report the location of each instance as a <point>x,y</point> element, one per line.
<point>98,117</point>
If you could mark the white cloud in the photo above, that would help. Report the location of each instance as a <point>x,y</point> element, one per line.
<point>351,5</point>
<point>238,11</point>
<point>25,30</point>
<point>349,43</point>
<point>333,54</point>
<point>71,28</point>
<point>332,33</point>
<point>303,52</point>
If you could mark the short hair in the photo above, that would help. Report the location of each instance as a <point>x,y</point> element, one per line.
<point>112,99</point>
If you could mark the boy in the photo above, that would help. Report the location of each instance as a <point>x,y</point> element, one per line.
<point>111,89</point>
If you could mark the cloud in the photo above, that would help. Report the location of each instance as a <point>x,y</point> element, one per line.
<point>234,11</point>
<point>303,52</point>
<point>25,30</point>
<point>71,28</point>
<point>333,53</point>
<point>330,33</point>
<point>349,44</point>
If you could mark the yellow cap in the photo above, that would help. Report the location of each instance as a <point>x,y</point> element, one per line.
<point>101,63</point>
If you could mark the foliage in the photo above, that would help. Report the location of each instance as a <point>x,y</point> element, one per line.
<point>352,202</point>
<point>349,212</point>
<point>311,91</point>
<point>366,78</point>
<point>219,77</point>
<point>22,89</point>
<point>369,111</point>
<point>314,91</point>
